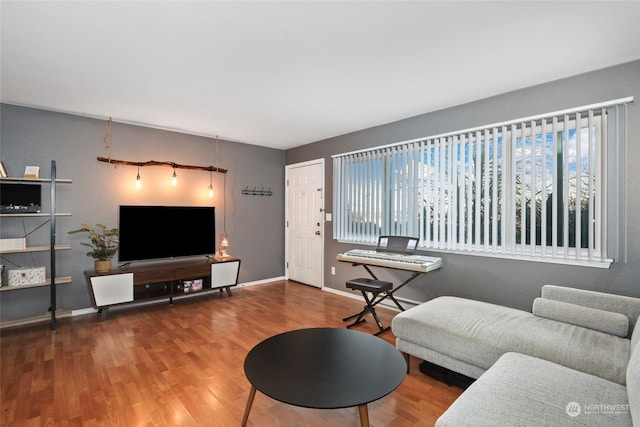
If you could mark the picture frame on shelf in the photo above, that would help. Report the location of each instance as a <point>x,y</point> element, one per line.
<point>3,170</point>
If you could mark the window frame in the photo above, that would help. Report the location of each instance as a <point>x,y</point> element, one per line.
<point>402,156</point>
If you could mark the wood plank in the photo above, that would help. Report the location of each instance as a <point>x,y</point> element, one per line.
<point>183,365</point>
<point>40,318</point>
<point>62,280</point>
<point>35,249</point>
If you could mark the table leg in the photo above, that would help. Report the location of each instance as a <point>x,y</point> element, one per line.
<point>364,415</point>
<point>252,394</point>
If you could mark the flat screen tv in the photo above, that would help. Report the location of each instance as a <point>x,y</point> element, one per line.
<point>160,232</point>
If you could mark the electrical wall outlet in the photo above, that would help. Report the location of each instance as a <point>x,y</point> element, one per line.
<point>333,271</point>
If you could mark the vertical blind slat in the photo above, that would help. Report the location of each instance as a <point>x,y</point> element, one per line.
<point>453,191</point>
<point>555,188</point>
<point>594,167</point>
<point>442,193</point>
<point>421,192</point>
<point>478,189</point>
<point>523,189</point>
<point>543,187</point>
<point>503,187</point>
<point>578,196</point>
<point>597,165</point>
<point>532,188</point>
<point>495,188</point>
<point>513,186</point>
<point>469,175</point>
<point>337,196</point>
<point>436,192</point>
<point>565,186</point>
<point>429,199</point>
<point>460,200</point>
<point>485,196</point>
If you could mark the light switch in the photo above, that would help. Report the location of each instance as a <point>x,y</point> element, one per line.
<point>327,216</point>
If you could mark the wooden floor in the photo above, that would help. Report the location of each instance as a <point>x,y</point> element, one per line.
<point>182,365</point>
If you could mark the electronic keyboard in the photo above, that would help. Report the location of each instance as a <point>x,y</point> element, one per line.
<point>411,262</point>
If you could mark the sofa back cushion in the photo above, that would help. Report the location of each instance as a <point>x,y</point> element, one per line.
<point>628,306</point>
<point>587,317</point>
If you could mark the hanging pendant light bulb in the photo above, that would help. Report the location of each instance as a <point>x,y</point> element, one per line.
<point>138,182</point>
<point>210,184</point>
<point>174,179</point>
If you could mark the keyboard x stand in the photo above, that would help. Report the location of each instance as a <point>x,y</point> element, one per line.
<point>389,294</point>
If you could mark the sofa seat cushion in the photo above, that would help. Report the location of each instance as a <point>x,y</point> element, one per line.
<point>521,390</point>
<point>478,333</point>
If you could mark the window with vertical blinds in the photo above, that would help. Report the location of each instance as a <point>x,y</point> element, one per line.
<point>533,188</point>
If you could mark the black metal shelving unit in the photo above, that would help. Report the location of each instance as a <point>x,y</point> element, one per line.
<point>52,247</point>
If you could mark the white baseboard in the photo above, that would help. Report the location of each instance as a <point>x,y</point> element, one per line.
<point>83,311</point>
<point>261,282</point>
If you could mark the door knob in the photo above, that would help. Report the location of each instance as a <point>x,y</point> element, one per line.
<point>318,233</point>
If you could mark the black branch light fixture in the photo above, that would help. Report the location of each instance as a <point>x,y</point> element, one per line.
<point>156,163</point>
<point>173,165</point>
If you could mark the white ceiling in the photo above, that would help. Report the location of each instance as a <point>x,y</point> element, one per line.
<point>283,74</point>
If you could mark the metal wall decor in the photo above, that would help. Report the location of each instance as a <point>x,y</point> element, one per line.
<point>256,192</point>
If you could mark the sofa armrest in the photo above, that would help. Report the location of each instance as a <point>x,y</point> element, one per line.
<point>628,306</point>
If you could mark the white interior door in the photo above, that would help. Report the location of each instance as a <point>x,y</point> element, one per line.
<point>305,222</point>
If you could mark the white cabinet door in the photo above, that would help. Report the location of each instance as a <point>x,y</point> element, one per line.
<point>112,289</point>
<point>224,273</point>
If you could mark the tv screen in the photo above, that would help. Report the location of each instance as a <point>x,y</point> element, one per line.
<point>156,232</point>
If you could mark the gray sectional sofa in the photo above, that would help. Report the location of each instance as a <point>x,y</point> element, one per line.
<point>572,360</point>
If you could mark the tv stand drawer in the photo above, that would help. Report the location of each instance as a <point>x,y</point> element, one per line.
<point>153,276</point>
<point>193,272</point>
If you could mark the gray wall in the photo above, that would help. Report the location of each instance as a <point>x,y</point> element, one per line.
<point>255,225</point>
<point>508,282</point>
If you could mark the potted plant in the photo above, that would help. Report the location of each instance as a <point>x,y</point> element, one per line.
<point>103,243</point>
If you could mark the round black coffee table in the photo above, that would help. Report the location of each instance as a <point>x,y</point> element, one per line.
<point>324,368</point>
